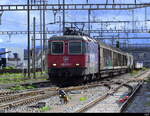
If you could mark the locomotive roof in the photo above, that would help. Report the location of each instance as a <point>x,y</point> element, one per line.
<point>72,37</point>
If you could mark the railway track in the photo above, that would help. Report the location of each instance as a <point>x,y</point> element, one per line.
<point>14,99</point>
<point>112,91</point>
<point>131,97</point>
<point>92,103</point>
<point>11,100</point>
<point>34,96</point>
<point>7,92</point>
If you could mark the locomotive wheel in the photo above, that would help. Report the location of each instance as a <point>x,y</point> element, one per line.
<point>93,76</point>
<point>85,78</point>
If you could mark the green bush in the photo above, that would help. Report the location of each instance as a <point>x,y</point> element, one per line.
<point>144,68</point>
<point>17,87</point>
<point>30,87</point>
<point>9,67</point>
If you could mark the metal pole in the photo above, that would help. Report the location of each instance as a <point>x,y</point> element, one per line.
<point>60,24</point>
<point>63,17</point>
<point>1,17</point>
<point>146,18</point>
<point>28,19</point>
<point>59,19</point>
<point>44,31</point>
<point>132,20</point>
<point>41,42</point>
<point>34,70</point>
<point>89,20</point>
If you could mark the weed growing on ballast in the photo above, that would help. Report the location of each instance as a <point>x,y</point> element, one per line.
<point>83,98</point>
<point>45,108</point>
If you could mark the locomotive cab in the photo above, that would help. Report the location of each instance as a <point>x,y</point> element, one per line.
<point>66,56</point>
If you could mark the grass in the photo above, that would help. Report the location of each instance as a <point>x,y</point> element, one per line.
<point>147,104</point>
<point>144,68</point>
<point>9,67</point>
<point>134,72</point>
<point>8,78</point>
<point>83,98</point>
<point>147,80</point>
<point>70,97</point>
<point>18,81</point>
<point>19,87</point>
<point>44,109</point>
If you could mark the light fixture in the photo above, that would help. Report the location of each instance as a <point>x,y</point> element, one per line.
<point>54,64</point>
<point>77,64</point>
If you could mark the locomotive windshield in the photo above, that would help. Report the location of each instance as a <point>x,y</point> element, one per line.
<point>75,47</point>
<point>57,47</point>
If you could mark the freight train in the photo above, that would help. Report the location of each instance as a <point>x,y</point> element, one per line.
<point>74,57</point>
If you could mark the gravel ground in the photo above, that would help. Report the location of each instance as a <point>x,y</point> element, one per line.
<point>141,103</point>
<point>54,102</point>
<point>111,104</point>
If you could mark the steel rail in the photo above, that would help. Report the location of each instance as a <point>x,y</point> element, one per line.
<point>130,98</point>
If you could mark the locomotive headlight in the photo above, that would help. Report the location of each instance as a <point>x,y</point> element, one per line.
<point>77,64</point>
<point>54,64</point>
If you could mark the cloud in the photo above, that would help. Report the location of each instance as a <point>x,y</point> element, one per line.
<point>1,40</point>
<point>17,21</point>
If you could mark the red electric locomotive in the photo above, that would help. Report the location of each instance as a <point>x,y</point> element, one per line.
<point>72,57</point>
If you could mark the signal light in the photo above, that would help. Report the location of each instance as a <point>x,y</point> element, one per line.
<point>54,64</point>
<point>121,100</point>
<point>127,97</point>
<point>77,64</point>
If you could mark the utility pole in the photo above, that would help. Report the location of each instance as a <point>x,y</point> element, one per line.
<point>28,19</point>
<point>89,21</point>
<point>146,18</point>
<point>133,22</point>
<point>33,48</point>
<point>63,17</point>
<point>41,42</point>
<point>1,13</point>
<point>44,38</point>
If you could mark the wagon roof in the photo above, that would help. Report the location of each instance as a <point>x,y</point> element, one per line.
<point>110,47</point>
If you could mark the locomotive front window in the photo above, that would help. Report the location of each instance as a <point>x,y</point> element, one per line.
<point>57,47</point>
<point>75,47</point>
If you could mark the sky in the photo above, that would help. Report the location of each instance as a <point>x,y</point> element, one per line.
<point>17,21</point>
